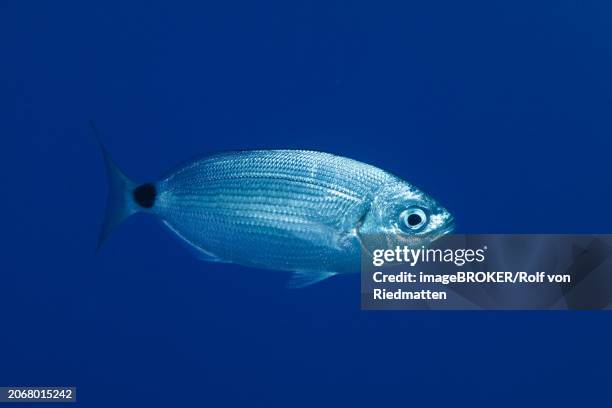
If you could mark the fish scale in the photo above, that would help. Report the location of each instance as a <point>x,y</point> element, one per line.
<point>298,202</point>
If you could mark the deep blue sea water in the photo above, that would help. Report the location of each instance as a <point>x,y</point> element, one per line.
<point>500,110</point>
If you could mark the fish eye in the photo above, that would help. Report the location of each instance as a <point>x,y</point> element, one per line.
<point>413,218</point>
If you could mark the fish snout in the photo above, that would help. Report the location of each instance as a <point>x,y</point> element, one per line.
<point>448,225</point>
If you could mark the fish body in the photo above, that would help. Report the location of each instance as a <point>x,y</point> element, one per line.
<point>308,212</point>
<point>274,209</point>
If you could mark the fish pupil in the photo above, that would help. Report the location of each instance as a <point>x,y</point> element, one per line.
<point>414,219</point>
<point>144,195</point>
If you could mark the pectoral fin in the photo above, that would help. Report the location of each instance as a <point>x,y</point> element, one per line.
<point>301,279</point>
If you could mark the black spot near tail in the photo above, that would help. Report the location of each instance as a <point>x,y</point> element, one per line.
<point>145,194</point>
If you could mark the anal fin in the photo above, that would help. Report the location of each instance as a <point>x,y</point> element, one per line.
<point>195,250</point>
<point>301,279</point>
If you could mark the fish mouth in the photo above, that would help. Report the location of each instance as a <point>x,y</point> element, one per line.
<point>449,228</point>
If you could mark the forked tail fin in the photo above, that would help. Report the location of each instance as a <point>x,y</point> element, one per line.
<point>120,203</point>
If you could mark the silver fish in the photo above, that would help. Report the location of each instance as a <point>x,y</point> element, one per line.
<point>308,212</point>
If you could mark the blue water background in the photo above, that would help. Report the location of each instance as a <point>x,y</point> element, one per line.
<point>500,110</point>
